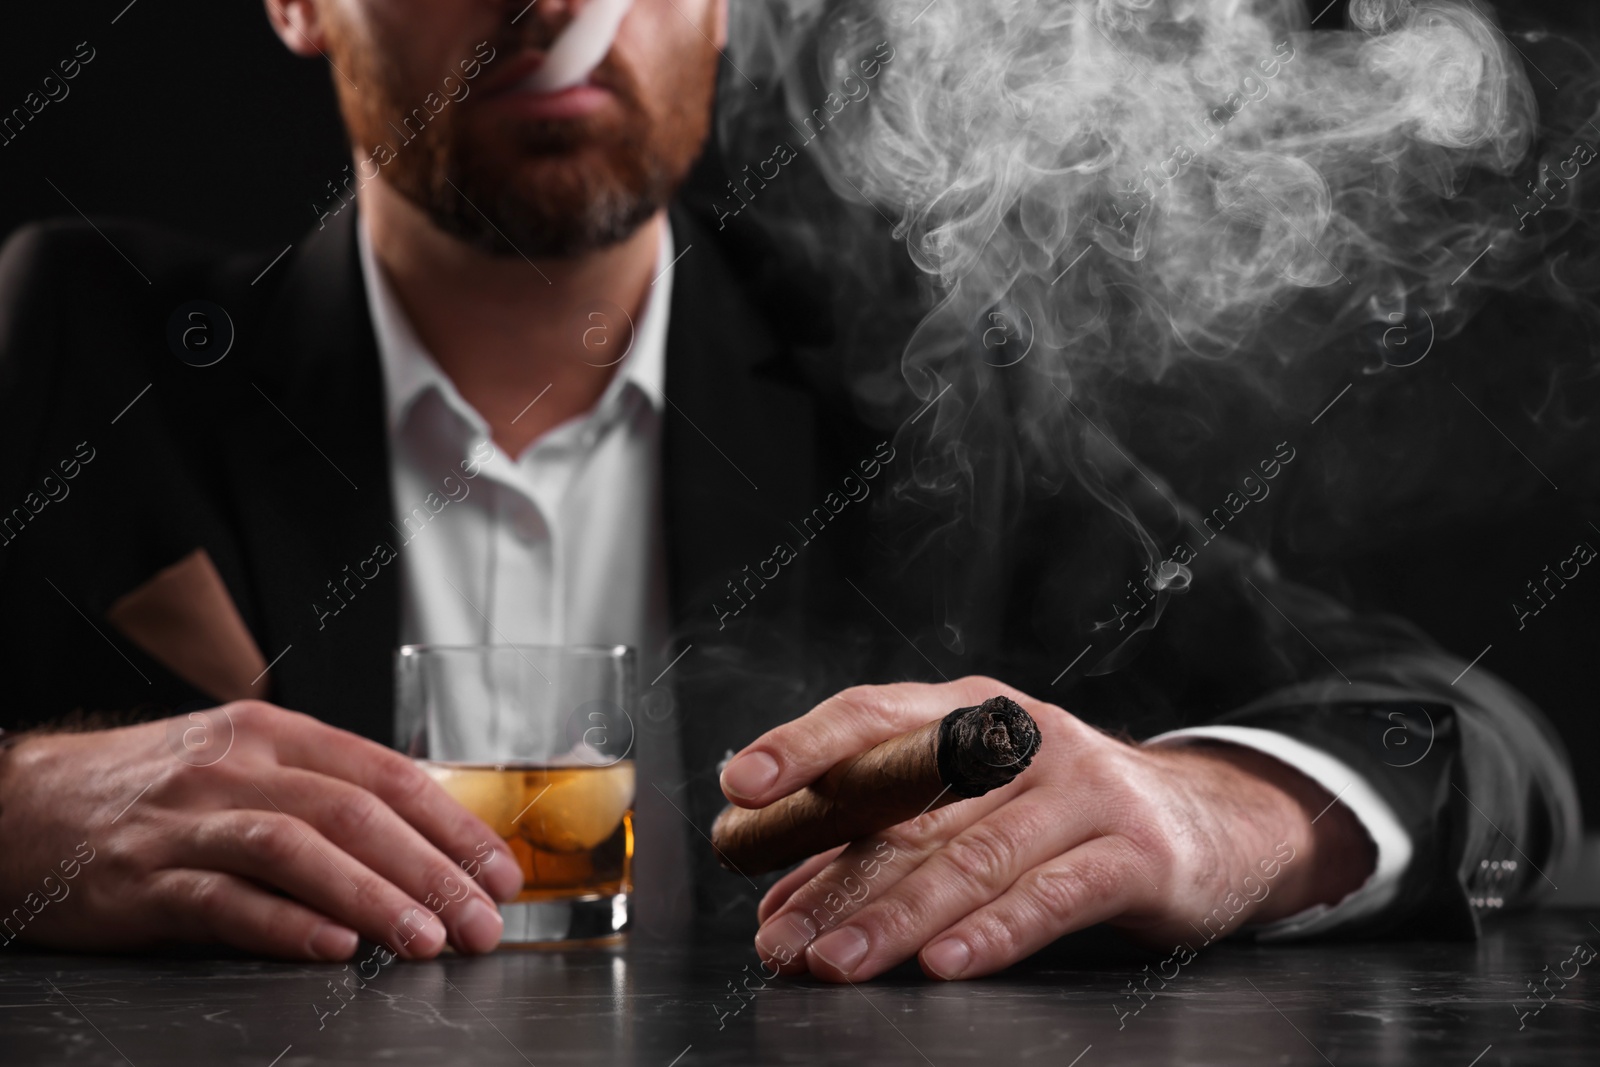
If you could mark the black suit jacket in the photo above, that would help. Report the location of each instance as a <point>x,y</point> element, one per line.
<point>793,571</point>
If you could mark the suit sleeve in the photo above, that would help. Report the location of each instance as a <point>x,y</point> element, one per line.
<point>1477,777</point>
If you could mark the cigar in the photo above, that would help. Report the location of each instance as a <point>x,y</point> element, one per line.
<point>966,754</point>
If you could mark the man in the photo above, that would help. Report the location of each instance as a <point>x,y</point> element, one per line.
<point>503,393</point>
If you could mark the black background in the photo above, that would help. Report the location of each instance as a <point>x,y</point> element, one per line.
<point>193,115</point>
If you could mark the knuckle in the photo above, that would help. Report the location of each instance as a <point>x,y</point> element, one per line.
<point>271,837</point>
<point>897,919</point>
<point>818,918</point>
<point>980,687</point>
<point>924,835</point>
<point>813,899</point>
<point>1151,839</point>
<point>867,702</point>
<point>404,776</point>
<point>839,723</point>
<point>206,896</point>
<point>170,784</point>
<point>894,851</point>
<point>1089,743</point>
<point>897,839</point>
<point>204,778</point>
<point>352,815</point>
<point>1151,833</point>
<point>987,684</point>
<point>982,855</point>
<point>999,933</point>
<point>1115,782</point>
<point>1103,878</point>
<point>1057,893</point>
<point>394,773</point>
<point>251,712</point>
<point>1093,755</point>
<point>1059,731</point>
<point>125,853</point>
<point>260,722</point>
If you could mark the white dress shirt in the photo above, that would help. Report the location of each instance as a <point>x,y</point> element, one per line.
<point>560,545</point>
<point>563,545</point>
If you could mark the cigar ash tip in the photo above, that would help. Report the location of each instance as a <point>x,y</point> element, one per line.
<point>985,747</point>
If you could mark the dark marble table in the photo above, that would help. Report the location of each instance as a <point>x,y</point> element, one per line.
<point>665,1005</point>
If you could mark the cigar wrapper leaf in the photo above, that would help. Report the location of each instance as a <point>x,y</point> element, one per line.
<point>968,753</point>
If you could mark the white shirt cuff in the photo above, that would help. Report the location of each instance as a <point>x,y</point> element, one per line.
<point>1370,809</point>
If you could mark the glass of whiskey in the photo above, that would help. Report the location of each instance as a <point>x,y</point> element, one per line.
<point>537,741</point>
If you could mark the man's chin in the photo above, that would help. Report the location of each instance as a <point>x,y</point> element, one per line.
<point>547,213</point>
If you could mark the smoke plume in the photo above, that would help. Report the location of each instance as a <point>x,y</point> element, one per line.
<point>1053,200</point>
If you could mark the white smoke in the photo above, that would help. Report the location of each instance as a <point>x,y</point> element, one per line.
<point>1087,195</point>
<point>1209,161</point>
<point>1090,195</point>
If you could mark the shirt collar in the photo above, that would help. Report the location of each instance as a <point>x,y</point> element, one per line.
<point>410,372</point>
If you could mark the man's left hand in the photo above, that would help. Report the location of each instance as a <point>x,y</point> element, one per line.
<point>1186,842</point>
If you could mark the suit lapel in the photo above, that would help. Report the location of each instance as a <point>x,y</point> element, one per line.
<point>310,468</point>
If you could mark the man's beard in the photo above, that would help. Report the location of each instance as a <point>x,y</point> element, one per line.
<point>515,187</point>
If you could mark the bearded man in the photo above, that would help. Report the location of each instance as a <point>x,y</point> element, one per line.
<point>511,311</point>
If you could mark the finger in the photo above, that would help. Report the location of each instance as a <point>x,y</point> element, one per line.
<point>865,868</point>
<point>1091,884</point>
<point>974,867</point>
<point>286,852</point>
<point>210,906</point>
<point>830,899</point>
<point>368,829</point>
<point>796,878</point>
<point>406,788</point>
<point>833,895</point>
<point>798,752</point>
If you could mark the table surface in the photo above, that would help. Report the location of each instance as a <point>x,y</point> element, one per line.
<point>671,1005</point>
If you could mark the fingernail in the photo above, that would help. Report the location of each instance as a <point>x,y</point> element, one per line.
<point>507,862</point>
<point>420,933</point>
<point>480,927</point>
<point>331,941</point>
<point>842,949</point>
<point>948,958</point>
<point>750,775</point>
<point>782,940</point>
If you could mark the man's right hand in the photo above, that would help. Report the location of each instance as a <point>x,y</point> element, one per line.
<point>246,824</point>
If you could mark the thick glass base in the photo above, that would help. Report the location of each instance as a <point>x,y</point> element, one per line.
<point>589,920</point>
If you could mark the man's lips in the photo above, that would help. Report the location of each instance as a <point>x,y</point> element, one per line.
<point>576,102</point>
<point>515,87</point>
<point>513,70</point>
